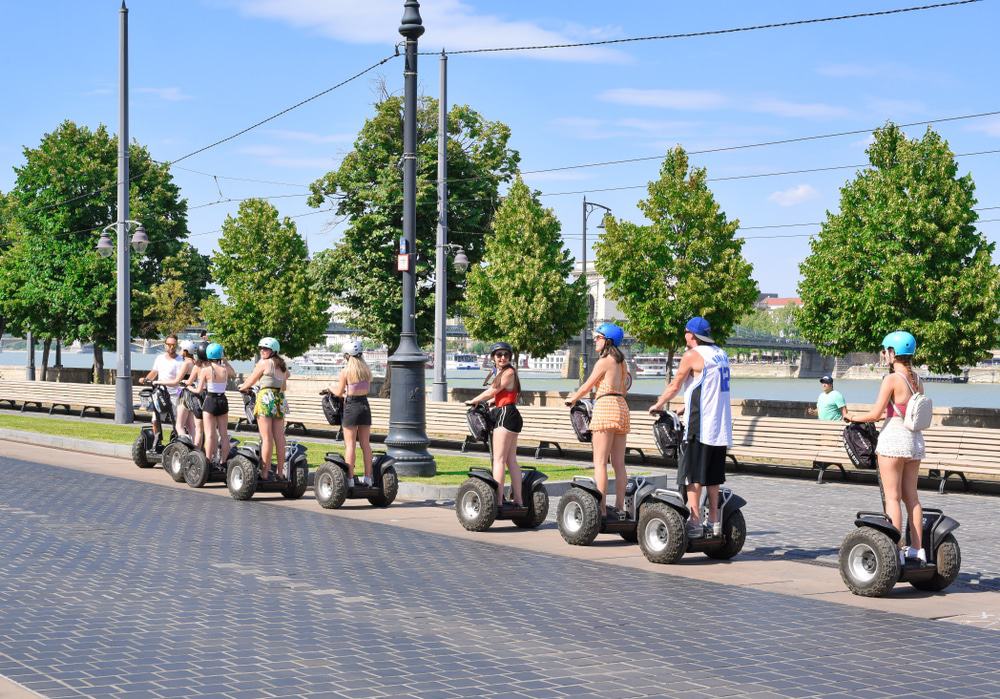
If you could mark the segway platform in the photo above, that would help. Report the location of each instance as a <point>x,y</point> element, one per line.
<point>477,508</point>
<point>243,473</point>
<point>331,485</point>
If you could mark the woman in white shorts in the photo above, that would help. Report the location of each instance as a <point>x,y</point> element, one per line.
<point>899,449</point>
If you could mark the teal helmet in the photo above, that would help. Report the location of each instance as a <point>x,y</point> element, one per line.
<point>269,343</point>
<point>214,351</point>
<point>901,343</point>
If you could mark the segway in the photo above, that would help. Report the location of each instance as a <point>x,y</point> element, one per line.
<point>147,450</point>
<point>332,478</point>
<point>869,555</point>
<point>476,502</point>
<point>244,468</point>
<point>199,469</point>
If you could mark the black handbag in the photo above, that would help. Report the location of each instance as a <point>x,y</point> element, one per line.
<point>860,440</point>
<point>480,423</point>
<point>579,416</point>
<point>333,408</point>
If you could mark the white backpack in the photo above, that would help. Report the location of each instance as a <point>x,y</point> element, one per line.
<point>919,410</point>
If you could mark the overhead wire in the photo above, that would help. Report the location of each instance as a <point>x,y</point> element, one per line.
<point>711,32</point>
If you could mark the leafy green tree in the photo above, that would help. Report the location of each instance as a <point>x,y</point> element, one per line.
<point>176,302</point>
<point>779,322</point>
<point>686,262</point>
<point>904,253</point>
<point>360,270</point>
<point>51,280</point>
<point>262,267</point>
<point>520,295</point>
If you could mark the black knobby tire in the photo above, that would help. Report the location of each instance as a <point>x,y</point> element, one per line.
<point>734,531</point>
<point>476,505</point>
<point>661,533</point>
<point>537,511</point>
<point>869,562</point>
<point>330,486</point>
<point>196,470</point>
<point>295,492</point>
<point>174,455</point>
<point>139,452</point>
<point>949,561</point>
<point>390,487</point>
<point>241,478</point>
<point>579,517</point>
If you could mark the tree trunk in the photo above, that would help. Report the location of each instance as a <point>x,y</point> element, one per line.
<point>58,364</point>
<point>46,346</point>
<point>3,325</point>
<point>98,363</point>
<point>386,390</point>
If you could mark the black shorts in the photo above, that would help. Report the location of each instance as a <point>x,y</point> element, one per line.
<point>357,412</point>
<point>508,418</point>
<point>701,463</point>
<point>215,404</point>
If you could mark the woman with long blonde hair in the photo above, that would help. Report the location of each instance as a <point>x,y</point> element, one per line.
<point>352,385</point>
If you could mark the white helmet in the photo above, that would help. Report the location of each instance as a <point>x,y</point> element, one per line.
<point>188,346</point>
<point>353,348</point>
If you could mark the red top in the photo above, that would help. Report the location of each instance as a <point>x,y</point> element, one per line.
<point>505,397</point>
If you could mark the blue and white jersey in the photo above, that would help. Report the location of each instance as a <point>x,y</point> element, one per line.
<point>706,400</point>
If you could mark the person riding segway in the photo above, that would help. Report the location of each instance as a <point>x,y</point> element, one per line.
<point>875,556</point>
<point>175,452</point>
<point>480,499</point>
<point>347,404</point>
<point>201,467</point>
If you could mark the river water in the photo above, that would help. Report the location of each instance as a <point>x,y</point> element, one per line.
<point>855,391</point>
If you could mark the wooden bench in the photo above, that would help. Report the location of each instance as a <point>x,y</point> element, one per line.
<point>94,398</point>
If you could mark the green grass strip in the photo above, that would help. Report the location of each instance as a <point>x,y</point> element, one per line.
<point>451,469</point>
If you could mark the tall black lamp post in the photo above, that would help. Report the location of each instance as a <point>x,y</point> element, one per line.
<point>407,439</point>
<point>588,207</point>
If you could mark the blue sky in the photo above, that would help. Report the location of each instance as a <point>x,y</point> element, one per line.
<point>204,69</point>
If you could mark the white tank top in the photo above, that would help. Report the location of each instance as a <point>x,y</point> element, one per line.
<point>217,386</point>
<point>706,400</point>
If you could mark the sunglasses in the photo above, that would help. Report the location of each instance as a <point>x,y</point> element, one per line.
<point>504,355</point>
<point>169,344</point>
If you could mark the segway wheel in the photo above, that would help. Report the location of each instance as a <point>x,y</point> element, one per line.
<point>196,469</point>
<point>139,452</point>
<point>949,561</point>
<point>579,517</point>
<point>330,486</point>
<point>295,492</point>
<point>173,460</point>
<point>241,478</point>
<point>390,487</point>
<point>537,513</point>
<point>476,505</point>
<point>734,535</point>
<point>869,562</point>
<point>661,534</point>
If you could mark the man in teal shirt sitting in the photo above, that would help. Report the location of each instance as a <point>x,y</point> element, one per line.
<point>831,404</point>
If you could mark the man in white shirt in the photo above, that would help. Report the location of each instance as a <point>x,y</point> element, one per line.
<point>165,368</point>
<point>703,375</point>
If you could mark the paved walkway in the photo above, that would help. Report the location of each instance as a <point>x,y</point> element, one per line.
<point>115,581</point>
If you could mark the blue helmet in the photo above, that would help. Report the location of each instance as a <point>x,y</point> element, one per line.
<point>901,343</point>
<point>612,333</point>
<point>214,351</point>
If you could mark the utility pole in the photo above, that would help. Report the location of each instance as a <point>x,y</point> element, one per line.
<point>439,390</point>
<point>123,379</point>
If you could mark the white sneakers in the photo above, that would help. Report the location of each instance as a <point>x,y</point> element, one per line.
<point>910,552</point>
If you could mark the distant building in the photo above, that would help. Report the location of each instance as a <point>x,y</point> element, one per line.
<point>773,302</point>
<point>604,309</point>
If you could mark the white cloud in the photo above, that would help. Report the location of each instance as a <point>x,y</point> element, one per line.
<point>656,127</point>
<point>309,137</point>
<point>666,99</point>
<point>895,109</point>
<point>280,157</point>
<point>169,94</point>
<point>811,110</point>
<point>990,127</point>
<point>452,24</point>
<point>794,195</point>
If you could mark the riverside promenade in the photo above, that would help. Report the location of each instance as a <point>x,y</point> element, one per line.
<point>118,582</point>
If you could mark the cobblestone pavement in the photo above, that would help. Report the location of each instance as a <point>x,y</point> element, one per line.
<point>802,520</point>
<point>109,587</point>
